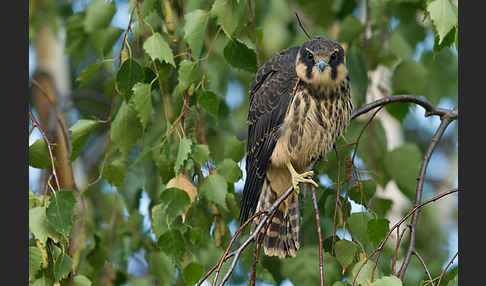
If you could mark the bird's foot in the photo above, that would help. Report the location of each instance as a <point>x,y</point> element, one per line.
<point>297,178</point>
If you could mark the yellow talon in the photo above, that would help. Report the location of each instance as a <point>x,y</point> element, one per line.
<point>300,178</point>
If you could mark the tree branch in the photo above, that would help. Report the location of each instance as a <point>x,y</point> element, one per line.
<point>319,235</point>
<point>447,118</point>
<point>412,211</point>
<point>429,108</point>
<point>423,264</point>
<point>44,136</point>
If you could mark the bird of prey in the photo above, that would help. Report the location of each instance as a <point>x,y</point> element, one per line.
<point>300,103</point>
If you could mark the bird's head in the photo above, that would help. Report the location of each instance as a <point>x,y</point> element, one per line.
<point>321,63</point>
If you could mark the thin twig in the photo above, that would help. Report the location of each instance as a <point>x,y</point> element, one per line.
<point>36,123</point>
<point>429,108</point>
<point>395,253</point>
<point>338,193</point>
<point>56,111</point>
<point>412,211</point>
<point>319,236</point>
<point>446,120</point>
<point>231,243</point>
<point>259,248</point>
<point>445,269</point>
<point>112,104</point>
<point>423,264</point>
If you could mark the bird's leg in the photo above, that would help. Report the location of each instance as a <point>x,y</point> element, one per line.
<point>300,178</point>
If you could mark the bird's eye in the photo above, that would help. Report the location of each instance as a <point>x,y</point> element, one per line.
<point>309,56</point>
<point>333,56</point>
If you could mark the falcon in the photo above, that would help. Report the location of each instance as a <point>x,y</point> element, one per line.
<point>300,103</point>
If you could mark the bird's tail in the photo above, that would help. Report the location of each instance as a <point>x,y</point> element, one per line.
<point>282,237</point>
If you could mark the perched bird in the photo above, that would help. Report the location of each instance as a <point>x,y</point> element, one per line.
<point>300,103</point>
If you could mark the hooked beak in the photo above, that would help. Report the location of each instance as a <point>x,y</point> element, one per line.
<point>322,64</point>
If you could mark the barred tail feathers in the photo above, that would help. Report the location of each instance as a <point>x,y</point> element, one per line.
<point>282,237</point>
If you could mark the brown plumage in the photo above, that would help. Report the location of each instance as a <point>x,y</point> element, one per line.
<point>300,102</point>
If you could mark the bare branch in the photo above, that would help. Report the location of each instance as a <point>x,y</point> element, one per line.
<point>44,136</point>
<point>318,225</point>
<point>447,267</point>
<point>447,118</point>
<point>412,211</point>
<point>423,264</point>
<point>429,108</point>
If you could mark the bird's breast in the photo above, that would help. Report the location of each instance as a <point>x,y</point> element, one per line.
<point>310,128</point>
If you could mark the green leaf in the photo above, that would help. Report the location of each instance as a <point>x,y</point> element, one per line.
<point>450,277</point>
<point>192,273</point>
<point>403,165</point>
<point>98,15</point>
<point>345,251</point>
<point>76,37</point>
<point>141,281</point>
<point>399,110</point>
<point>62,267</point>
<point>114,173</point>
<point>387,281</point>
<point>142,102</point>
<point>188,73</point>
<point>443,17</point>
<point>364,276</point>
<point>377,230</point>
<point>80,133</point>
<point>304,268</point>
<point>400,46</point>
<point>209,101</point>
<point>175,202</point>
<point>442,80</point>
<point>159,220</point>
<point>449,39</point>
<point>43,281</point>
<point>39,155</point>
<point>195,29</point>
<point>357,73</point>
<point>227,16</point>
<point>88,73</point>
<point>367,192</point>
<point>351,27</point>
<point>104,39</point>
<point>126,128</point>
<point>128,75</point>
<point>234,149</point>
<point>409,78</point>
<point>381,206</point>
<point>182,153</point>
<point>81,280</point>
<point>35,260</point>
<point>158,48</point>
<point>201,153</point>
<point>39,226</point>
<point>195,235</point>
<point>162,267</point>
<point>60,212</point>
<point>240,56</point>
<point>173,244</point>
<point>358,223</point>
<point>229,170</point>
<point>214,188</point>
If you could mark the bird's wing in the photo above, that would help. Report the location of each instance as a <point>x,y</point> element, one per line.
<point>270,94</point>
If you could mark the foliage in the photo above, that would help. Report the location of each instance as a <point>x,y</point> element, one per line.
<point>176,138</point>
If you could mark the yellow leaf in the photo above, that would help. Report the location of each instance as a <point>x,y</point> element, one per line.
<point>182,182</point>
